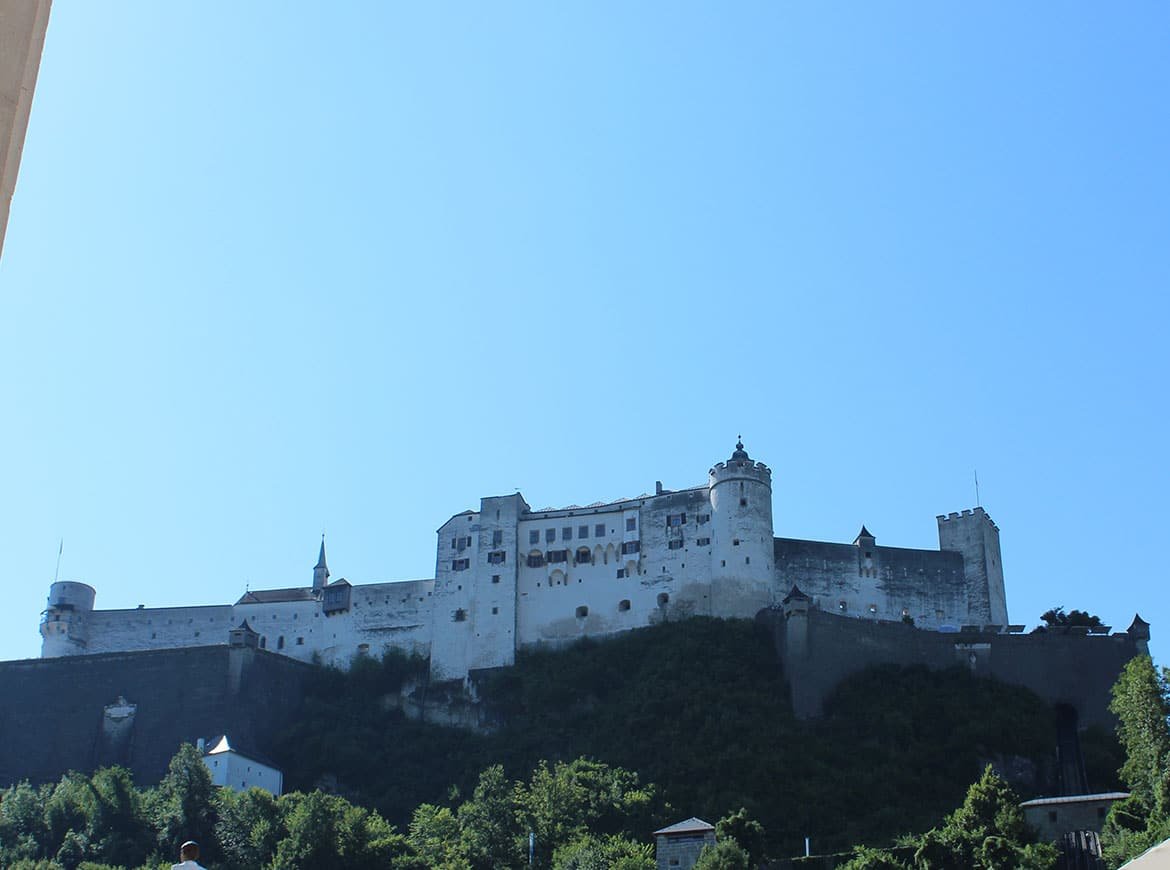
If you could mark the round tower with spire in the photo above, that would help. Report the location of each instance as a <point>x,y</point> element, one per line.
<point>740,491</point>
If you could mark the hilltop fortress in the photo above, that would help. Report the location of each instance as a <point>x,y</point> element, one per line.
<point>508,577</point>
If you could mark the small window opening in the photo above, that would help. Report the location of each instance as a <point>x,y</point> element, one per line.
<point>624,605</point>
<point>460,615</point>
<point>280,642</point>
<point>663,599</point>
<point>582,612</point>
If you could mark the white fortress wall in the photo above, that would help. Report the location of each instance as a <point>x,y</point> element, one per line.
<point>157,628</point>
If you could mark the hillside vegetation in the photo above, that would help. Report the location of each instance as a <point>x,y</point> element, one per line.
<point>700,709</point>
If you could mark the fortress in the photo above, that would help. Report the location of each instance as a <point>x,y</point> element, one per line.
<point>508,577</point>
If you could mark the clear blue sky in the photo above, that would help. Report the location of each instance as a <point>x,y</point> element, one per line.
<point>274,269</point>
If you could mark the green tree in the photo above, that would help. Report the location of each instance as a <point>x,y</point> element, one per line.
<point>561,803</point>
<point>987,832</point>
<point>726,855</point>
<point>865,858</point>
<point>182,805</point>
<point>1056,618</point>
<point>248,827</point>
<point>118,830</point>
<point>488,825</point>
<point>435,837</point>
<point>23,832</point>
<point>1141,702</point>
<point>611,852</point>
<point>745,831</point>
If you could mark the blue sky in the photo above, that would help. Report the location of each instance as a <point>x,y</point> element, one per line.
<point>276,269</point>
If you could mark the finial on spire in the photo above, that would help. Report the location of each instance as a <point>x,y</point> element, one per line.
<point>740,454</point>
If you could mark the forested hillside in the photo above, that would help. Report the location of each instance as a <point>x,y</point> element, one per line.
<point>699,709</point>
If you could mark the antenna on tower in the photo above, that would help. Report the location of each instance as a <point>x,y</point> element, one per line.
<point>978,503</point>
<point>60,550</point>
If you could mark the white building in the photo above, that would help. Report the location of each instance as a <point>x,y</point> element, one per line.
<point>231,769</point>
<point>508,577</point>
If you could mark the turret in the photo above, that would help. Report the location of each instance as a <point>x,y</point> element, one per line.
<point>973,534</point>
<point>64,624</point>
<point>740,491</point>
<point>321,570</point>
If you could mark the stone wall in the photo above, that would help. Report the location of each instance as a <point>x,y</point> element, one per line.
<point>52,717</point>
<point>821,649</point>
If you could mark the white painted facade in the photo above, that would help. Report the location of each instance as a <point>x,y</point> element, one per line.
<point>508,577</point>
<point>230,769</point>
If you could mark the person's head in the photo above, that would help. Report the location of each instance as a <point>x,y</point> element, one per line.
<point>189,851</point>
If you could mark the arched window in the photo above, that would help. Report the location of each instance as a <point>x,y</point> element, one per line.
<point>624,605</point>
<point>583,556</point>
<point>280,642</point>
<point>535,559</point>
<point>264,642</point>
<point>663,599</point>
<point>582,612</point>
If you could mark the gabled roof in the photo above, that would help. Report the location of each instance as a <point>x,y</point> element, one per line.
<point>275,596</point>
<point>243,626</point>
<point>690,826</point>
<point>864,533</point>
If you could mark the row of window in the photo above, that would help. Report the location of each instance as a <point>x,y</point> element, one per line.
<point>462,543</point>
<point>460,615</point>
<point>550,535</point>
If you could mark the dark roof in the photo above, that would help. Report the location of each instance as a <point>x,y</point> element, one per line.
<point>341,581</point>
<point>864,533</point>
<point>276,596</point>
<point>740,454</point>
<point>321,558</point>
<point>795,595</point>
<point>690,826</point>
<point>245,627</point>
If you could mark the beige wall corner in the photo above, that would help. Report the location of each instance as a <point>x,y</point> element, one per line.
<point>22,37</point>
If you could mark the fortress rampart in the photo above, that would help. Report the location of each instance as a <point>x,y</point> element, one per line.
<point>136,708</point>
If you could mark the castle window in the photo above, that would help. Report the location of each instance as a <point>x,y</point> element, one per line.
<point>536,559</point>
<point>735,542</point>
<point>624,605</point>
<point>582,531</point>
<point>873,608</point>
<point>747,560</point>
<point>631,546</point>
<point>584,557</point>
<point>675,544</point>
<point>454,542</point>
<point>550,535</point>
<point>555,556</point>
<point>567,533</point>
<point>703,518</point>
<point>280,642</point>
<point>495,578</point>
<point>599,530</point>
<point>264,642</point>
<point>675,520</point>
<point>582,612</point>
<point>497,557</point>
<point>197,634</point>
<point>153,635</point>
<point>631,524</point>
<point>842,606</point>
<point>905,612</point>
<point>300,641</point>
<point>663,599</point>
<point>534,537</point>
<point>495,611</point>
<point>703,542</point>
<point>460,564</point>
<point>462,544</point>
<point>743,502</point>
<point>460,615</point>
<point>621,572</point>
<point>497,538</point>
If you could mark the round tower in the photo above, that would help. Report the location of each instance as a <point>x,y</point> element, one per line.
<point>64,624</point>
<point>742,552</point>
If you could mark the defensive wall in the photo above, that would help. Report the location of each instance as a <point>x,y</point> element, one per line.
<point>136,708</point>
<point>1064,667</point>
